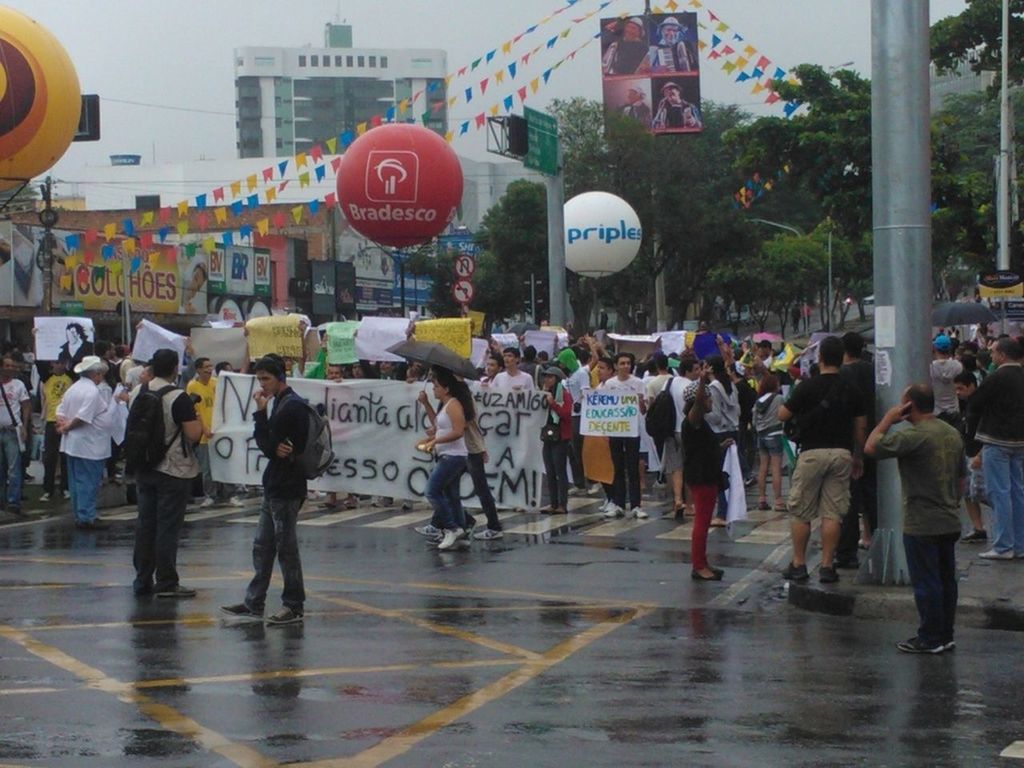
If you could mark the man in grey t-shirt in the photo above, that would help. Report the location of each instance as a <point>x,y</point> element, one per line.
<point>943,370</point>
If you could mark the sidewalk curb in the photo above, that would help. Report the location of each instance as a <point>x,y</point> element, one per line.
<point>871,602</point>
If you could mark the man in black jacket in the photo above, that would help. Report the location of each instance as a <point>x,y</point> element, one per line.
<point>996,420</point>
<point>280,432</point>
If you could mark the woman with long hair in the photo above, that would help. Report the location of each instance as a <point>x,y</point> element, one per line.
<point>769,441</point>
<point>702,470</point>
<point>449,445</point>
<point>724,415</point>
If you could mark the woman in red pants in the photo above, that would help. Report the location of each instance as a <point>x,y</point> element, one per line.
<point>702,469</point>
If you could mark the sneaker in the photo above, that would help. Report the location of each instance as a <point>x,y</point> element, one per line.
<point>429,530</point>
<point>613,510</point>
<point>950,645</point>
<point>795,572</point>
<point>574,491</point>
<point>991,554</point>
<point>639,514</point>
<point>44,498</point>
<point>828,575</point>
<point>285,616</point>
<point>488,534</point>
<point>917,645</point>
<point>603,507</point>
<point>236,501</point>
<point>66,495</point>
<point>974,537</point>
<point>177,591</point>
<point>241,611</point>
<point>595,488</point>
<point>207,502</point>
<point>449,539</point>
<point>467,532</point>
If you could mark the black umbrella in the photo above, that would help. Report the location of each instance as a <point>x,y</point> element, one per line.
<point>432,353</point>
<point>962,313</point>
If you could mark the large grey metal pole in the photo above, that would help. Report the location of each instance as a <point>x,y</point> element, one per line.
<point>558,298</point>
<point>1005,140</point>
<point>901,185</point>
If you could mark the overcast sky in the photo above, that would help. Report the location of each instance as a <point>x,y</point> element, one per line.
<point>142,54</point>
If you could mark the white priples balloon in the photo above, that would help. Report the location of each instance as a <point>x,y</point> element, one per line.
<point>602,234</point>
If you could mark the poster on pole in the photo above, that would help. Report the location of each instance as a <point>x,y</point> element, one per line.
<point>610,413</point>
<point>650,67</point>
<point>375,426</point>
<point>63,338</point>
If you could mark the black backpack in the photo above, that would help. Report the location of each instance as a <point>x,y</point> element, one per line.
<point>660,420</point>
<point>145,438</point>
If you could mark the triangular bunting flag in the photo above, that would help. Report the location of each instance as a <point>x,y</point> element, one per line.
<point>297,214</point>
<point>218,195</point>
<point>263,226</point>
<point>236,188</point>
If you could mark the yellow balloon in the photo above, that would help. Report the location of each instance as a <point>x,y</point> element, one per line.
<point>40,99</point>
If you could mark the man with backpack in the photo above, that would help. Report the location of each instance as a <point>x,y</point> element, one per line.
<point>282,431</point>
<point>163,429</point>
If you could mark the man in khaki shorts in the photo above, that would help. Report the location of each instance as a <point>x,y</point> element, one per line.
<point>831,414</point>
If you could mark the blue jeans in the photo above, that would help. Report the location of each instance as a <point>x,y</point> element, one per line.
<point>10,466</point>
<point>162,501</point>
<point>443,492</point>
<point>276,537</point>
<point>1004,483</point>
<point>84,478</point>
<point>477,471</point>
<point>931,561</point>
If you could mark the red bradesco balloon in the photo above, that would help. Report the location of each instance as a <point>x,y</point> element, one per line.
<point>399,185</point>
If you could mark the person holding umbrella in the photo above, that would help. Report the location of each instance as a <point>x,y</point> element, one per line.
<point>556,435</point>
<point>449,445</point>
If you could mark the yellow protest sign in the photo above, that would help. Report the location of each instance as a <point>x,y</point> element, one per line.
<point>279,334</point>
<point>452,332</point>
<point>477,318</point>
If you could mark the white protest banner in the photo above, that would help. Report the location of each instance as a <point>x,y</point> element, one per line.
<point>506,340</point>
<point>375,426</point>
<point>542,341</point>
<point>221,345</point>
<point>341,342</point>
<point>376,334</point>
<point>150,337</point>
<point>55,335</point>
<point>610,413</point>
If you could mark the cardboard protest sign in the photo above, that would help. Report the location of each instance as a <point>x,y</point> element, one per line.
<point>225,345</point>
<point>278,334</point>
<point>610,413</point>
<point>63,338</point>
<point>150,337</point>
<point>376,334</point>
<point>452,332</point>
<point>375,426</point>
<point>341,342</point>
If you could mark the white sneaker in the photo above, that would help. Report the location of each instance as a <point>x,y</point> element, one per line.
<point>487,534</point>
<point>234,501</point>
<point>45,497</point>
<point>429,530</point>
<point>451,537</point>
<point>66,494</point>
<point>639,514</point>
<point>613,511</point>
<point>993,555</point>
<point>207,502</point>
<point>595,488</point>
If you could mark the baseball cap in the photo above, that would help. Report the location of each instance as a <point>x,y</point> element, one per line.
<point>942,343</point>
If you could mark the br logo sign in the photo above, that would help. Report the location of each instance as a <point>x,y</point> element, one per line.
<point>399,185</point>
<point>39,99</point>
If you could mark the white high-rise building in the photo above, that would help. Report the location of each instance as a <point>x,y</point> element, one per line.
<point>290,99</point>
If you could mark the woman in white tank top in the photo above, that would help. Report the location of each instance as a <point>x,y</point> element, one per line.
<point>449,445</point>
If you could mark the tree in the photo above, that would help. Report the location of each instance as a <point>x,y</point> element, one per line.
<point>976,35</point>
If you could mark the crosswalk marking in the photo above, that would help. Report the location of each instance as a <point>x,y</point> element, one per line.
<point>614,527</point>
<point>120,515</point>
<point>772,532</point>
<point>398,521</point>
<point>552,522</point>
<point>1015,751</point>
<point>209,514</point>
<point>340,517</point>
<point>682,532</point>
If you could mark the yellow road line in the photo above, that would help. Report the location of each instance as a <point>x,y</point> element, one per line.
<point>291,674</point>
<point>441,629</point>
<point>106,584</point>
<point>1015,751</point>
<point>407,738</point>
<point>166,716</point>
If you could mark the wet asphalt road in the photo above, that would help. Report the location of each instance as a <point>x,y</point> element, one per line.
<point>578,649</point>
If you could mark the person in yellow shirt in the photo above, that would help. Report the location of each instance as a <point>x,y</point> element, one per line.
<point>52,391</point>
<point>202,390</point>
